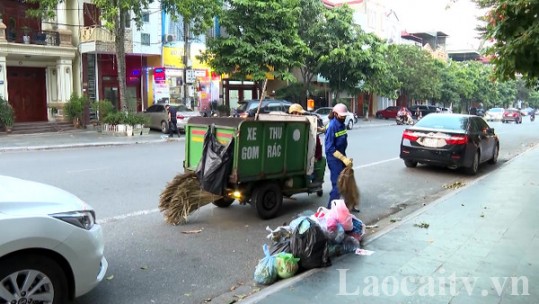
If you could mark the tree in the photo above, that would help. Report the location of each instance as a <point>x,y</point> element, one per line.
<point>199,12</point>
<point>417,72</point>
<point>311,23</point>
<point>260,38</point>
<point>513,28</point>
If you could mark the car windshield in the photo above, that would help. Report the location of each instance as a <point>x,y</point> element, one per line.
<point>496,110</point>
<point>448,122</point>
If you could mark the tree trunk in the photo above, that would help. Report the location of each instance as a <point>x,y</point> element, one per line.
<point>187,56</point>
<point>120,57</point>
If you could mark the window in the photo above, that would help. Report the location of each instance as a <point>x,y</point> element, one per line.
<point>145,39</point>
<point>145,17</point>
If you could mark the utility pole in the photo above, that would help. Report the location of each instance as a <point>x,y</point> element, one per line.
<point>186,59</point>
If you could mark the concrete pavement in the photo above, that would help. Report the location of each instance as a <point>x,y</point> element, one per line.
<point>478,244</point>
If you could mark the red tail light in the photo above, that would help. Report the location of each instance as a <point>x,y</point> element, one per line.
<point>179,116</point>
<point>410,135</point>
<point>457,140</point>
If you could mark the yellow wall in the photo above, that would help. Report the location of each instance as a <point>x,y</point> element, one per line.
<point>153,61</point>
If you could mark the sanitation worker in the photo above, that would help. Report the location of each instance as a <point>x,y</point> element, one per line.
<point>336,143</point>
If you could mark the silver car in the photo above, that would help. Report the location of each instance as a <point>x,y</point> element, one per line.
<point>51,248</point>
<point>158,116</point>
<point>324,112</point>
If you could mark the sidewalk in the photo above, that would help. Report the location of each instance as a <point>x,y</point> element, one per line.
<point>76,139</point>
<point>90,138</point>
<point>480,246</point>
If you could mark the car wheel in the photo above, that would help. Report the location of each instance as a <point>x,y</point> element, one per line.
<point>472,170</point>
<point>223,202</point>
<point>410,163</point>
<point>495,153</point>
<point>267,199</point>
<point>164,127</point>
<point>379,116</point>
<point>350,125</point>
<point>32,279</point>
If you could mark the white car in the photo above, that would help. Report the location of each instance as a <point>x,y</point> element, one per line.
<point>51,248</point>
<point>324,112</point>
<point>494,114</point>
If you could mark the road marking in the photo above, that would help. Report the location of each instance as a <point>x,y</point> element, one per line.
<point>128,215</point>
<point>370,164</point>
<point>150,211</point>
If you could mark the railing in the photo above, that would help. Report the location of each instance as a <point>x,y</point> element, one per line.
<point>33,37</point>
<point>95,33</point>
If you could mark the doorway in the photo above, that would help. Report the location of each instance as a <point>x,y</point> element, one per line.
<point>30,105</point>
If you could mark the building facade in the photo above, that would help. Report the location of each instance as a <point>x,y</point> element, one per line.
<point>98,55</point>
<point>37,60</point>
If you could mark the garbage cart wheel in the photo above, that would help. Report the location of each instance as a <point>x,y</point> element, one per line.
<point>268,200</point>
<point>223,202</point>
<point>319,193</point>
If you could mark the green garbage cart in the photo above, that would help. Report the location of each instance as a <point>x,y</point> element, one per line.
<point>272,158</point>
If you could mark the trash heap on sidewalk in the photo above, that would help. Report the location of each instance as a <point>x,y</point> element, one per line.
<point>308,242</point>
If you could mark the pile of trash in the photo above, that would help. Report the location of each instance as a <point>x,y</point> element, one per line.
<point>308,242</point>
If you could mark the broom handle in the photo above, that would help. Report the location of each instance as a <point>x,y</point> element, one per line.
<point>261,98</point>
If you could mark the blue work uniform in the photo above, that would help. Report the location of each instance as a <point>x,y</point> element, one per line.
<point>336,140</point>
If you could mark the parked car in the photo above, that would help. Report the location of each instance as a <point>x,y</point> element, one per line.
<point>248,108</point>
<point>158,116</point>
<point>324,113</point>
<point>450,140</point>
<point>494,114</point>
<point>424,109</point>
<point>512,114</point>
<point>51,248</point>
<point>387,113</point>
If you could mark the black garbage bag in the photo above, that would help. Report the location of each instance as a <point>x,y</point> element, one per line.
<point>309,243</point>
<point>215,165</point>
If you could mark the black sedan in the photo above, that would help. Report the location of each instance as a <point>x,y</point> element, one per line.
<point>450,140</point>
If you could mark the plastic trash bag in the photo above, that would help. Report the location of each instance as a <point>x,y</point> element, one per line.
<point>309,243</point>
<point>358,229</point>
<point>215,165</point>
<point>287,265</point>
<point>337,234</point>
<point>266,270</point>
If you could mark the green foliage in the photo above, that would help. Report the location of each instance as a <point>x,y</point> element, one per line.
<point>115,118</point>
<point>7,114</point>
<point>103,108</point>
<point>513,29</point>
<point>74,108</point>
<point>416,71</point>
<point>293,92</point>
<point>261,38</point>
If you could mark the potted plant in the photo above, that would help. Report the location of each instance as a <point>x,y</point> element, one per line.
<point>26,34</point>
<point>74,109</point>
<point>7,115</point>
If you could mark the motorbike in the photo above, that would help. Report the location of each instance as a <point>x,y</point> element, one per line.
<point>404,119</point>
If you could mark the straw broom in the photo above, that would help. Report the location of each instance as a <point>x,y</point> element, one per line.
<point>182,196</point>
<point>348,188</point>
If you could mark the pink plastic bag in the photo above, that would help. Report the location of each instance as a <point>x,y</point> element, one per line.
<point>340,212</point>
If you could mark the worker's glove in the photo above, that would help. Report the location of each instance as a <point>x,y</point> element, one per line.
<point>346,161</point>
<point>321,129</point>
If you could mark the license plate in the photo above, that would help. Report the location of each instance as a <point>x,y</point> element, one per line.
<point>433,142</point>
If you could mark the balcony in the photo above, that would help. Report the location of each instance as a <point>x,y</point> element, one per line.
<point>34,37</point>
<point>95,33</point>
<point>97,39</point>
